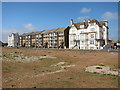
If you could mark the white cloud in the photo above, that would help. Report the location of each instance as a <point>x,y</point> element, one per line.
<point>83,18</point>
<point>110,15</point>
<point>8,31</point>
<point>30,27</point>
<point>85,10</point>
<point>23,29</point>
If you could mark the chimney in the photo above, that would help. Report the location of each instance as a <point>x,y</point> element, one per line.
<point>88,20</point>
<point>106,22</point>
<point>71,22</point>
<point>84,20</point>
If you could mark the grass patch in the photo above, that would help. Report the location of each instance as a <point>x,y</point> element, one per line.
<point>115,68</point>
<point>34,87</point>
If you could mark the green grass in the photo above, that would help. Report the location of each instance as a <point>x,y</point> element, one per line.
<point>115,68</point>
<point>34,87</point>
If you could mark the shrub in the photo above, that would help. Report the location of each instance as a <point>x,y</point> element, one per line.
<point>102,64</point>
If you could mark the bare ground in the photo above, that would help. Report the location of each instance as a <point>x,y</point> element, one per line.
<point>39,73</point>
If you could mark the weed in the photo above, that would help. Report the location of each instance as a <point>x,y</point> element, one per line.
<point>15,56</point>
<point>12,85</point>
<point>94,72</point>
<point>65,68</point>
<point>10,80</point>
<point>58,78</point>
<point>70,78</point>
<point>114,78</point>
<point>102,64</point>
<point>109,74</point>
<point>34,87</point>
<point>43,71</point>
<point>47,70</point>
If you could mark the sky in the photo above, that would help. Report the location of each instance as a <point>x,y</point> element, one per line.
<point>25,17</point>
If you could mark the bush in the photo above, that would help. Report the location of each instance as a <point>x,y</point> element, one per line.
<point>102,64</point>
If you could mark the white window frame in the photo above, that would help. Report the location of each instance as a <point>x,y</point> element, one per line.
<point>92,42</point>
<point>92,35</point>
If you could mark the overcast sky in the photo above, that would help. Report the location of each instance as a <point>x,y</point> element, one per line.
<point>24,17</point>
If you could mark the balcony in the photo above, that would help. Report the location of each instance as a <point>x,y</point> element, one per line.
<point>99,39</point>
<point>84,33</point>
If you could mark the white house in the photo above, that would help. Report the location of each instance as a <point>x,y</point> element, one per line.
<point>13,40</point>
<point>91,34</point>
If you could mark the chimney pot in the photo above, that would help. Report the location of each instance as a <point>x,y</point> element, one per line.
<point>71,22</point>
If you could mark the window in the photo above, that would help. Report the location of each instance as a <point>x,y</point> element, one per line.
<point>91,47</point>
<point>82,35</point>
<point>71,43</point>
<point>82,31</point>
<point>92,24</point>
<point>82,42</point>
<point>92,29</point>
<point>81,26</point>
<point>92,36</point>
<point>103,29</point>
<point>73,31</point>
<point>91,41</point>
<point>36,35</point>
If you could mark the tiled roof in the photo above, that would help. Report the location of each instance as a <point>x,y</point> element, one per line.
<point>77,25</point>
<point>45,31</point>
<point>100,23</point>
<point>54,30</point>
<point>34,33</point>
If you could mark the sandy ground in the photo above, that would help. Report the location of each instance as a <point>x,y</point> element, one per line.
<point>39,73</point>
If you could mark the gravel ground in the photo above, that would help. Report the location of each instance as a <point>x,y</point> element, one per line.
<point>101,70</point>
<point>19,57</point>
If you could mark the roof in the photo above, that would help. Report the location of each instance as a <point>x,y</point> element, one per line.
<point>45,31</point>
<point>100,23</point>
<point>54,30</point>
<point>77,25</point>
<point>93,20</point>
<point>34,33</point>
<point>25,34</point>
<point>31,33</point>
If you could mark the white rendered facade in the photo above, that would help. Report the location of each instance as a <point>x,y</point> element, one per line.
<point>13,40</point>
<point>91,34</point>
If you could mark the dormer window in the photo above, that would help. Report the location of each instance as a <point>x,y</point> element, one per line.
<point>81,26</point>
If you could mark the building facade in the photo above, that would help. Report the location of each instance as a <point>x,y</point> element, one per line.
<point>91,34</point>
<point>53,38</point>
<point>56,38</point>
<point>13,40</point>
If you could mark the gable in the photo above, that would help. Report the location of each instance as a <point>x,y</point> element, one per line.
<point>73,30</point>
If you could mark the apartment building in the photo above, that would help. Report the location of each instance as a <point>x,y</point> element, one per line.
<point>30,39</point>
<point>38,39</point>
<point>52,38</point>
<point>25,40</point>
<point>56,38</point>
<point>13,40</point>
<point>91,34</point>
